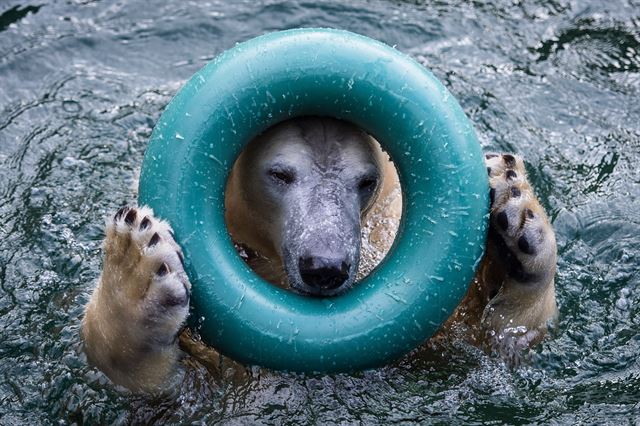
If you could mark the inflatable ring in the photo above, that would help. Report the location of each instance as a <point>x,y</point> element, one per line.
<point>334,73</point>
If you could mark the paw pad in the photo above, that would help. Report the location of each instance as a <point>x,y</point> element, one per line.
<point>524,246</point>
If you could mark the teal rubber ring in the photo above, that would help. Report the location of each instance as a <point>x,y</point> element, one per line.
<point>334,73</point>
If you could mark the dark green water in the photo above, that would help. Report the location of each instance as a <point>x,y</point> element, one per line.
<point>83,82</point>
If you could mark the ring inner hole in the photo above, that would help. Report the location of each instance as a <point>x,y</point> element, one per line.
<point>378,223</point>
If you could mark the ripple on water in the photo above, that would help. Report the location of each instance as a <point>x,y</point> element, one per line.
<point>84,82</point>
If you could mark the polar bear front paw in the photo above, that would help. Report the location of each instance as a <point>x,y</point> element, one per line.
<point>519,227</point>
<point>145,265</point>
<point>137,311</point>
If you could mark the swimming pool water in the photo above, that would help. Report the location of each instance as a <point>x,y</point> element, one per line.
<point>83,82</point>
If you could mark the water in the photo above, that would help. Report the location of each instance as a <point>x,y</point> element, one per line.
<point>82,83</point>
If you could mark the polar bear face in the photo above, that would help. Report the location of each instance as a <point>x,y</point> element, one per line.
<point>304,186</point>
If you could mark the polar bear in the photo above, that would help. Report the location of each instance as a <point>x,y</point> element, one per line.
<point>297,200</point>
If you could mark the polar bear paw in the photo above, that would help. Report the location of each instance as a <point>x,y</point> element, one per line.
<point>519,228</point>
<point>144,268</point>
<point>135,314</point>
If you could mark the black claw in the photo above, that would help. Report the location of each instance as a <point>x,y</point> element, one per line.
<point>120,212</point>
<point>511,174</point>
<point>488,156</point>
<point>162,270</point>
<point>172,234</point>
<point>529,213</point>
<point>146,222</point>
<point>130,217</point>
<point>181,259</point>
<point>515,192</point>
<point>489,171</point>
<point>155,238</point>
<point>524,246</point>
<point>492,195</point>
<point>509,160</point>
<point>503,220</point>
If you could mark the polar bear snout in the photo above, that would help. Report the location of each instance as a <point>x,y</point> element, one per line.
<point>324,273</point>
<point>321,248</point>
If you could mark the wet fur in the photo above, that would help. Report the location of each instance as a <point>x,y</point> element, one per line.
<point>138,308</point>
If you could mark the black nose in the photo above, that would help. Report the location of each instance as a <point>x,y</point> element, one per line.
<point>323,273</point>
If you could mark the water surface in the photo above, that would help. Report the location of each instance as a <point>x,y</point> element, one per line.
<point>83,82</point>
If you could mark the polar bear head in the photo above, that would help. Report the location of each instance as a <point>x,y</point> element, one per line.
<point>297,195</point>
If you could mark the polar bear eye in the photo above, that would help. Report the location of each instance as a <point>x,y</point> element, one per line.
<point>282,176</point>
<point>367,184</point>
